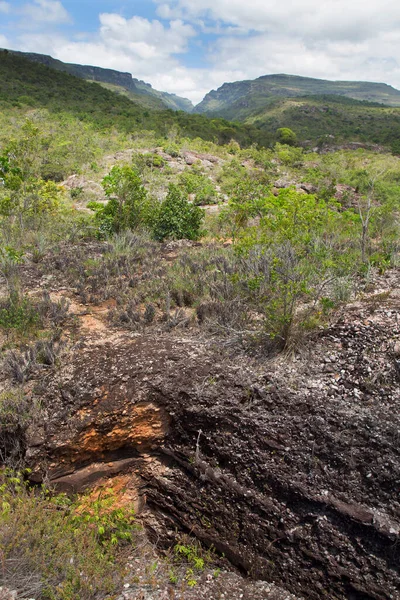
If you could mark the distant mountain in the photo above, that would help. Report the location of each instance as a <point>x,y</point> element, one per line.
<point>241,99</point>
<point>123,83</point>
<point>26,85</point>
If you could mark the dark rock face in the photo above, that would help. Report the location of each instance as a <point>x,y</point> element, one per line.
<point>291,469</point>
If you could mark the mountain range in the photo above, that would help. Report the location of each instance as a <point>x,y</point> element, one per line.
<point>318,111</point>
<point>240,99</point>
<point>235,101</point>
<point>123,83</point>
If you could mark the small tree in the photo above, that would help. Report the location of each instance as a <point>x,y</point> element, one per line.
<point>178,218</point>
<point>128,203</point>
<point>296,235</point>
<point>24,195</point>
<point>366,205</point>
<point>286,136</point>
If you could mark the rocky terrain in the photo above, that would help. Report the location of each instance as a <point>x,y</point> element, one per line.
<point>199,334</point>
<point>289,467</point>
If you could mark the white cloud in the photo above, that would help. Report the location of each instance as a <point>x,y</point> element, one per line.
<point>41,12</point>
<point>145,38</point>
<point>147,49</point>
<point>3,41</point>
<point>337,19</point>
<point>370,60</point>
<point>5,7</point>
<point>340,39</point>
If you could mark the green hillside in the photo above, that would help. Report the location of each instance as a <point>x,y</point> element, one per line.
<point>26,84</point>
<point>331,119</point>
<point>139,91</point>
<point>314,109</point>
<point>241,98</point>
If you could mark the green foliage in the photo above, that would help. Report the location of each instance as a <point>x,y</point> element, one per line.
<point>317,110</point>
<point>177,217</point>
<point>60,549</point>
<point>191,554</point>
<point>286,136</point>
<point>172,149</point>
<point>10,258</point>
<point>24,193</point>
<point>246,202</point>
<point>128,205</point>
<point>301,238</point>
<point>65,95</point>
<point>288,155</point>
<point>230,175</point>
<point>150,160</point>
<point>111,524</point>
<point>195,557</point>
<point>18,314</point>
<point>193,182</point>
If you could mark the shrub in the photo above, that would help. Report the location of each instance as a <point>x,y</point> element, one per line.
<point>21,365</point>
<point>172,149</point>
<point>178,218</point>
<point>128,204</point>
<point>53,548</point>
<point>18,313</point>
<point>286,136</point>
<point>289,155</point>
<point>198,184</point>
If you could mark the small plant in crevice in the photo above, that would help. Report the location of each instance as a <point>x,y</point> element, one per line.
<point>149,314</point>
<point>55,312</point>
<point>190,552</point>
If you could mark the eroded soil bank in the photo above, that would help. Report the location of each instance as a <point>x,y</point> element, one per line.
<point>290,467</point>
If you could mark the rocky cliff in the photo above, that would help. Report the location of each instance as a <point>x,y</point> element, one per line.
<point>290,468</point>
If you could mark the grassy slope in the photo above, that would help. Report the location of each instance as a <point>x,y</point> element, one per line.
<point>312,108</point>
<point>146,101</point>
<point>346,119</point>
<point>27,84</point>
<point>124,83</point>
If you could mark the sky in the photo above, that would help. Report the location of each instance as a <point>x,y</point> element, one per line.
<point>189,47</point>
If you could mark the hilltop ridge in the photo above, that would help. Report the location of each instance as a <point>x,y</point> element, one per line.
<point>118,81</point>
<point>239,99</point>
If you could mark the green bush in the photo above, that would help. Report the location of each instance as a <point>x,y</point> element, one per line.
<point>128,205</point>
<point>178,218</point>
<point>172,149</point>
<point>54,548</point>
<point>286,136</point>
<point>198,184</point>
<point>18,313</point>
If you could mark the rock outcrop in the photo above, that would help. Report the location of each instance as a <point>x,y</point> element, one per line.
<point>289,468</point>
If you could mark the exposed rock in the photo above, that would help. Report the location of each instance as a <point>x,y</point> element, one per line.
<point>190,159</point>
<point>308,187</point>
<point>74,182</point>
<point>295,484</point>
<point>6,594</point>
<point>207,159</point>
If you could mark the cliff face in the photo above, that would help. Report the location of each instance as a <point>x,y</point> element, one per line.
<point>290,469</point>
